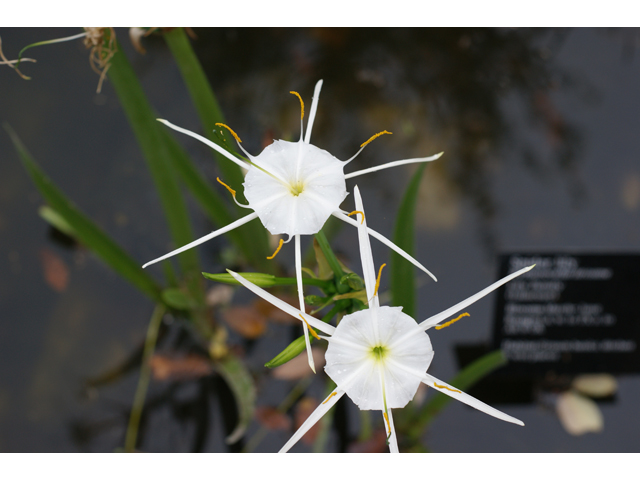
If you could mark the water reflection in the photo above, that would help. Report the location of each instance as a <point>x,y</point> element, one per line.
<point>486,97</point>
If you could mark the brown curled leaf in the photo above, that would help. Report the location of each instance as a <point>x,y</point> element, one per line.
<point>164,367</point>
<point>247,321</point>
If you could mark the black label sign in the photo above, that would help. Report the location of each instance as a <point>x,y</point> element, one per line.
<point>570,314</point>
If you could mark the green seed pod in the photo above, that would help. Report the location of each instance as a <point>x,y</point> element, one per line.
<point>289,353</point>
<point>353,281</point>
<point>260,279</point>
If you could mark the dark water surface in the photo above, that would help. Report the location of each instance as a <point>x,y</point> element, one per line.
<point>540,133</point>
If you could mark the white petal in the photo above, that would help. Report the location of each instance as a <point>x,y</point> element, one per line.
<point>432,321</point>
<point>366,255</point>
<point>209,236</point>
<point>317,414</point>
<point>296,166</point>
<point>284,306</point>
<point>352,365</point>
<point>387,242</point>
<point>468,399</point>
<point>578,414</point>
<point>312,111</point>
<point>305,329</point>
<point>393,164</point>
<point>206,141</point>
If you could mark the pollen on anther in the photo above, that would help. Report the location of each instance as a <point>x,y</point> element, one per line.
<point>329,397</point>
<point>374,137</point>
<point>445,387</point>
<point>375,291</point>
<point>231,190</point>
<point>386,417</point>
<point>450,322</point>
<point>355,212</point>
<point>313,332</point>
<point>277,250</point>
<point>230,131</point>
<point>301,103</point>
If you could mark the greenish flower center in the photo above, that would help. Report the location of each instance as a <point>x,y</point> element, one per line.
<point>296,188</point>
<point>379,352</point>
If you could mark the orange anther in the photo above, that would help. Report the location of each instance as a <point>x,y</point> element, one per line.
<point>231,131</point>
<point>277,250</point>
<point>465,314</point>
<point>375,136</point>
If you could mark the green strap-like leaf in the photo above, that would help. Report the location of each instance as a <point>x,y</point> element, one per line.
<point>465,379</point>
<point>244,391</point>
<point>156,151</point>
<point>402,272</point>
<point>264,279</point>
<point>252,238</point>
<point>83,228</point>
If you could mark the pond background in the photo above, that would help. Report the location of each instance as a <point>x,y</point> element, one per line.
<point>540,133</point>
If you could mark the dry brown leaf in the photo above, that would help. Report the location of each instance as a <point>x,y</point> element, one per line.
<point>56,272</point>
<point>247,321</point>
<point>182,368</point>
<point>271,418</point>
<point>274,313</point>
<point>298,367</point>
<point>305,407</point>
<point>219,295</point>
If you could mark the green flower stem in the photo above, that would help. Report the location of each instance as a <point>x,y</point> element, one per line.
<point>333,312</point>
<point>143,381</point>
<point>331,259</point>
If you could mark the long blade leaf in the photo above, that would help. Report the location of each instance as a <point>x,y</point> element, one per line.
<point>402,272</point>
<point>252,239</point>
<point>83,228</point>
<point>244,391</point>
<point>156,150</point>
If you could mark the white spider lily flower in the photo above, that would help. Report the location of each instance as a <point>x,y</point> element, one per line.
<point>293,188</point>
<point>379,356</point>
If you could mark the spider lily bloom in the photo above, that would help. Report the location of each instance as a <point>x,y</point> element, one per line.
<point>379,356</point>
<point>293,187</point>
